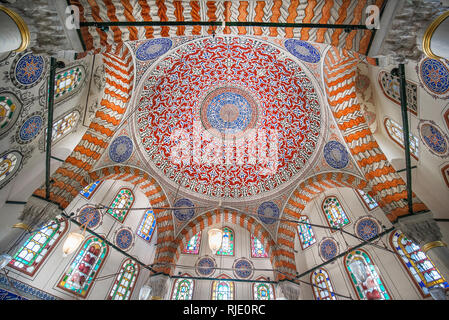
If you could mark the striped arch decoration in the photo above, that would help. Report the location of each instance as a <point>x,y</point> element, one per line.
<point>385,185</point>
<point>211,218</point>
<point>280,11</point>
<point>69,179</point>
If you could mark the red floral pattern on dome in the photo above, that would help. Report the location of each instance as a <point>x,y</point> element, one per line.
<point>268,90</point>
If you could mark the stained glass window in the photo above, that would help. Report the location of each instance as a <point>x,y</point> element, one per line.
<point>124,282</point>
<point>391,88</point>
<point>227,244</point>
<point>64,125</point>
<point>7,109</point>
<point>334,213</point>
<point>396,133</point>
<point>68,81</point>
<point>364,277</point>
<point>306,235</point>
<point>89,190</point>
<point>124,201</point>
<point>34,251</point>
<point>8,163</point>
<point>147,225</point>
<point>82,271</point>
<point>183,289</point>
<point>257,249</point>
<point>322,286</point>
<point>263,291</point>
<point>421,268</point>
<point>223,289</point>
<point>368,200</point>
<point>193,246</point>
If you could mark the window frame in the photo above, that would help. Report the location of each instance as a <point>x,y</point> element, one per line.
<point>327,220</point>
<point>176,284</point>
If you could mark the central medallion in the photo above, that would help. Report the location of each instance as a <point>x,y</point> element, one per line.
<point>228,111</point>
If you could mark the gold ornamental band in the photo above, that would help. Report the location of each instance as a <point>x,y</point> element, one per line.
<point>429,34</point>
<point>432,245</point>
<point>156,298</point>
<point>23,28</point>
<point>22,225</point>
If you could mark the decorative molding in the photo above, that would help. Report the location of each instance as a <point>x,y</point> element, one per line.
<point>26,290</point>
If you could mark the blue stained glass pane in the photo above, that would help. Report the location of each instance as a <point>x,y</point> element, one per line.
<point>89,190</point>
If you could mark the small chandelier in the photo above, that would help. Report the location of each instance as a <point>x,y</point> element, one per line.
<point>145,292</point>
<point>73,241</point>
<point>215,239</point>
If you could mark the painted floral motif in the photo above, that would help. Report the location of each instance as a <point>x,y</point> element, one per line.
<point>434,138</point>
<point>303,50</point>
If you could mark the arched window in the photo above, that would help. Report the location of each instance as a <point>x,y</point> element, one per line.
<point>82,271</point>
<point>68,82</point>
<point>396,133</point>
<point>419,266</point>
<point>322,286</point>
<point>227,244</point>
<point>9,111</point>
<point>364,277</point>
<point>183,289</point>
<point>335,215</point>
<point>123,200</point>
<point>10,163</point>
<point>370,203</point>
<point>89,190</point>
<point>223,289</point>
<point>305,232</point>
<point>64,126</point>
<point>391,88</point>
<point>124,282</point>
<point>193,246</point>
<point>262,290</point>
<point>257,249</point>
<point>147,225</point>
<point>30,257</point>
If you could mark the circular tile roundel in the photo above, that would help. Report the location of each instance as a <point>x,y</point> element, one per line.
<point>30,128</point>
<point>121,149</point>
<point>435,76</point>
<point>205,266</point>
<point>243,268</point>
<point>153,48</point>
<point>336,155</point>
<point>303,50</point>
<point>367,228</point>
<point>91,216</point>
<point>29,69</point>
<point>328,249</point>
<point>124,239</point>
<point>268,212</point>
<point>184,214</point>
<point>434,138</point>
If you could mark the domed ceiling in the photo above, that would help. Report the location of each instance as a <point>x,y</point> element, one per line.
<point>248,95</point>
<point>254,98</point>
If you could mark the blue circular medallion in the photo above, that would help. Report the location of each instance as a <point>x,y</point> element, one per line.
<point>121,149</point>
<point>366,228</point>
<point>91,216</point>
<point>184,214</point>
<point>328,249</point>
<point>434,138</point>
<point>30,128</point>
<point>29,69</point>
<point>303,50</point>
<point>243,268</point>
<point>336,155</point>
<point>124,239</point>
<point>435,76</point>
<point>153,49</point>
<point>205,266</point>
<point>268,212</point>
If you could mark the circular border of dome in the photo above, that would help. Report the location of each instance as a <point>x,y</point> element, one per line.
<point>367,228</point>
<point>204,266</point>
<point>153,48</point>
<point>243,268</point>
<point>311,56</point>
<point>434,75</point>
<point>328,249</point>
<point>184,214</point>
<point>434,138</point>
<point>124,238</point>
<point>94,221</point>
<point>274,214</point>
<point>30,128</point>
<point>27,70</point>
<point>330,148</point>
<point>126,146</point>
<point>6,175</point>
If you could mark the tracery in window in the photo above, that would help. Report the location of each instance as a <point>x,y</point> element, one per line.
<point>262,290</point>
<point>322,286</point>
<point>370,203</point>
<point>223,289</point>
<point>147,225</point>
<point>68,82</point>
<point>183,289</point>
<point>9,111</point>
<point>257,248</point>
<point>193,246</point>
<point>227,244</point>
<point>305,232</point>
<point>335,215</point>
<point>396,133</point>
<point>123,200</point>
<point>64,125</point>
<point>125,281</point>
<point>391,88</point>
<point>90,189</point>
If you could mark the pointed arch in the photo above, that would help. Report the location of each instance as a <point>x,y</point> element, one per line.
<point>322,285</point>
<point>262,290</point>
<point>222,289</point>
<point>228,242</point>
<point>334,213</point>
<point>125,282</point>
<point>183,289</point>
<point>305,233</point>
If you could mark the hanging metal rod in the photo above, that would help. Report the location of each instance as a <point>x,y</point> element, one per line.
<point>402,170</point>
<point>107,24</point>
